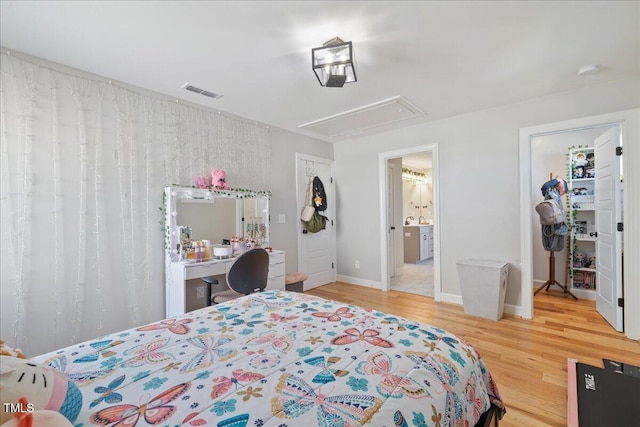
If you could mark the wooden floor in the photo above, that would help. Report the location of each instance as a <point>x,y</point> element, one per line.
<point>527,358</point>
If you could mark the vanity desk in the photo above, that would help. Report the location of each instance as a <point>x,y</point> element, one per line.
<point>186,291</point>
<point>213,215</point>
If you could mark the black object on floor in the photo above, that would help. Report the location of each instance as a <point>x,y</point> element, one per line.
<point>621,368</point>
<point>606,398</point>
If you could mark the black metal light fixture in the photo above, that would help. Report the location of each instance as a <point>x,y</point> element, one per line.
<point>333,63</point>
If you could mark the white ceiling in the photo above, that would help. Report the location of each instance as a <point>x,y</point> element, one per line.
<point>417,161</point>
<point>446,58</point>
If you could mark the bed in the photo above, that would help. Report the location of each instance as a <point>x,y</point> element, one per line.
<point>280,359</point>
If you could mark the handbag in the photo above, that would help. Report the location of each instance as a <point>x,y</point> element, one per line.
<point>308,210</point>
<point>550,212</point>
<point>316,223</point>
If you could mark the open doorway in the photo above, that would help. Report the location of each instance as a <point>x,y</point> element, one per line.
<point>409,225</point>
<point>532,141</point>
<point>413,256</point>
<point>550,159</point>
<point>590,264</point>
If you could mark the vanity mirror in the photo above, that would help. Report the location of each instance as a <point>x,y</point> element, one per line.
<point>215,215</point>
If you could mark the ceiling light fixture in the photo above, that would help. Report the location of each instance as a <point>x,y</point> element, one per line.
<point>333,63</point>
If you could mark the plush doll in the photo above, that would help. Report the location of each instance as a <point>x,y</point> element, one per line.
<point>47,389</point>
<point>219,179</point>
<point>579,259</point>
<point>203,182</point>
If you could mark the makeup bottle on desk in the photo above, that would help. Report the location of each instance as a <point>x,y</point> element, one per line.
<point>198,252</point>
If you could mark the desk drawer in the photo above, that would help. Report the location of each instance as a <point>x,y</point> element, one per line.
<point>276,270</point>
<point>276,282</point>
<point>276,259</point>
<point>197,271</point>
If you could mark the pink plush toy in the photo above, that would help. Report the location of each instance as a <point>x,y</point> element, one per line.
<point>203,182</point>
<point>219,179</point>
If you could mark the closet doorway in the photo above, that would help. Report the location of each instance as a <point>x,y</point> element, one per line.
<point>608,287</point>
<point>554,155</point>
<point>410,227</point>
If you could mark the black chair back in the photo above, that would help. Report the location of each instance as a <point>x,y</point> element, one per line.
<point>249,272</point>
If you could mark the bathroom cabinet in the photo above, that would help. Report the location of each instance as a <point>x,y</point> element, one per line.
<point>418,243</point>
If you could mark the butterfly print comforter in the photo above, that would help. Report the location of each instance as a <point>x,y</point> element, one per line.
<point>279,359</point>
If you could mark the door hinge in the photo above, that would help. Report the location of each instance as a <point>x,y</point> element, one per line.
<point>620,226</point>
<point>332,180</point>
<point>332,223</point>
<point>332,266</point>
<point>618,151</point>
<point>620,302</point>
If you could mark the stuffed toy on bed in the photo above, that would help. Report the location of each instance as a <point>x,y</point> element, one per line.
<point>31,402</point>
<point>219,179</point>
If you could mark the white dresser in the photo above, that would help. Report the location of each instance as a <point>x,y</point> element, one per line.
<point>184,284</point>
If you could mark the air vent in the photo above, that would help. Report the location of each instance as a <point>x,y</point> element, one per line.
<point>365,119</point>
<point>191,88</point>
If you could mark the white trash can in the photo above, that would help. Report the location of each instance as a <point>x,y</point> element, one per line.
<point>483,284</point>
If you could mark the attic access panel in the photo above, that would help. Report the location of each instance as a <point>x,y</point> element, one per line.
<point>363,119</point>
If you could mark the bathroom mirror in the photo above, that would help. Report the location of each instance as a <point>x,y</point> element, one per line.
<point>215,215</point>
<point>417,200</point>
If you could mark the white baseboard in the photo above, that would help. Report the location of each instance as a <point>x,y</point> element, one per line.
<point>358,281</point>
<point>513,309</point>
<point>457,299</point>
<point>452,298</point>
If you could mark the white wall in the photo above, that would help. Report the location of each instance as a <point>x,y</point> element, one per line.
<point>479,180</point>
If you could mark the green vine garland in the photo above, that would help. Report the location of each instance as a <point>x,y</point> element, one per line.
<point>572,244</point>
<point>240,193</point>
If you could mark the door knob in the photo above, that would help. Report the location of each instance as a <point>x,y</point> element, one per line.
<point>393,228</point>
<point>304,231</point>
<point>593,234</point>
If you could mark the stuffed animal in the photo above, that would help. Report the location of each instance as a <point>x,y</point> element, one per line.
<point>578,260</point>
<point>203,181</point>
<point>47,389</point>
<point>219,179</point>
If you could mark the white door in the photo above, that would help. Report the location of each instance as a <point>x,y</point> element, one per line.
<point>391,221</point>
<point>316,251</point>
<point>608,239</point>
